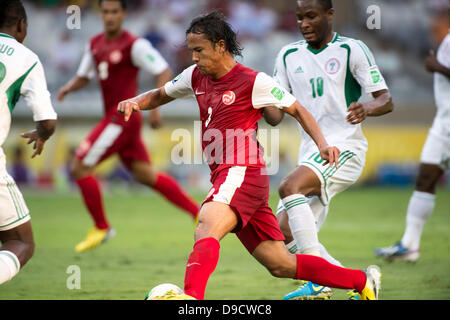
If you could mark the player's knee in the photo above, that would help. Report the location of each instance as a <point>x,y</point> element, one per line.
<point>78,171</point>
<point>283,222</point>
<point>144,174</point>
<point>28,252</point>
<point>287,188</point>
<point>425,183</point>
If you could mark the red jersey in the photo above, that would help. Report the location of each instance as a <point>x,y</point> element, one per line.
<point>230,111</point>
<point>116,71</point>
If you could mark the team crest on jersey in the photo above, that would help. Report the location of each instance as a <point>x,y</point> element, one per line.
<point>115,56</point>
<point>332,66</point>
<point>228,97</point>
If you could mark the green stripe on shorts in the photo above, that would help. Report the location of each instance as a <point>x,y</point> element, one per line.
<point>15,196</point>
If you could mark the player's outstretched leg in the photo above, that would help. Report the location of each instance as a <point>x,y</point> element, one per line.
<point>172,191</point>
<point>280,263</point>
<point>164,184</point>
<point>17,248</point>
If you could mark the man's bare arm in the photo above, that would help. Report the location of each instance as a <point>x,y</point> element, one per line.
<point>273,115</point>
<point>145,101</point>
<point>382,104</point>
<point>155,118</point>
<point>309,124</point>
<point>74,84</point>
<point>432,65</point>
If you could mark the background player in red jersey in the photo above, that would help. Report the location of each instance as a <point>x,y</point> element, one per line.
<point>117,55</point>
<point>231,98</point>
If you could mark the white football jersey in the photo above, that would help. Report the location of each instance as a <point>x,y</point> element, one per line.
<point>21,74</point>
<point>442,89</point>
<point>326,82</point>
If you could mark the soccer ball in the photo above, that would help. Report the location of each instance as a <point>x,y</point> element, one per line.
<point>162,290</point>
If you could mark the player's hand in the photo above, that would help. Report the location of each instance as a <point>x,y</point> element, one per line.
<point>431,62</point>
<point>62,94</point>
<point>155,119</point>
<point>330,155</point>
<point>356,113</point>
<point>127,108</point>
<point>38,146</point>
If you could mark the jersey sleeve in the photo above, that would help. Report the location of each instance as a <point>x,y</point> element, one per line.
<point>364,68</point>
<point>181,85</point>
<point>268,93</point>
<point>279,72</point>
<point>145,56</point>
<point>34,90</point>
<point>87,65</point>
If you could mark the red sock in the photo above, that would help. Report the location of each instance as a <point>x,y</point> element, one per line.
<point>92,196</point>
<point>320,271</point>
<point>171,190</point>
<point>201,263</point>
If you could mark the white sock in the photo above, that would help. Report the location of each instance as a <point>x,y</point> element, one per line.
<point>324,254</point>
<point>9,265</point>
<point>420,207</point>
<point>292,248</point>
<point>302,224</point>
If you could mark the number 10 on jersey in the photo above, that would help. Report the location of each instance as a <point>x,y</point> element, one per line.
<point>317,86</point>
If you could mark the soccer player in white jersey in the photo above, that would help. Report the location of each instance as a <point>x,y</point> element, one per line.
<point>327,73</point>
<point>434,161</point>
<point>21,73</point>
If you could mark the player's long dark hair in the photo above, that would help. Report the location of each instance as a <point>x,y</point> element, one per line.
<point>215,28</point>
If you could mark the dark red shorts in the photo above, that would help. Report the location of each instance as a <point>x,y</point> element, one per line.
<point>108,138</point>
<point>246,191</point>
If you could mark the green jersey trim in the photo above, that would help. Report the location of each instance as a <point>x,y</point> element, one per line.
<point>317,51</point>
<point>4,35</point>
<point>352,87</point>
<point>367,52</point>
<point>288,52</point>
<point>13,92</point>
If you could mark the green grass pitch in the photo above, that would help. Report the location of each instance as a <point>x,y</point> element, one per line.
<point>154,240</point>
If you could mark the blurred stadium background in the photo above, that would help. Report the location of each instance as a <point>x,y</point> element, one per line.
<point>156,253</point>
<point>408,29</point>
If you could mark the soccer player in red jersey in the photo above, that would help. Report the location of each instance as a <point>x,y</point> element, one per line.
<point>117,55</point>
<point>231,99</point>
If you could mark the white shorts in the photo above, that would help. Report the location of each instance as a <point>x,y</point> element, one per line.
<point>333,180</point>
<point>13,210</point>
<point>436,149</point>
